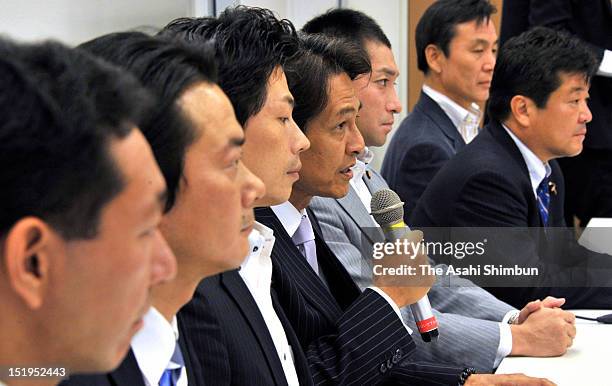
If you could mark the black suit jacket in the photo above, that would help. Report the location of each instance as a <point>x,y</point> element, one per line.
<point>349,337</point>
<point>487,184</point>
<point>231,338</point>
<point>423,143</point>
<point>128,373</point>
<point>590,21</point>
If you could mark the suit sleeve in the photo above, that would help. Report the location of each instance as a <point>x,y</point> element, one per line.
<point>520,245</point>
<point>369,345</point>
<point>461,336</point>
<point>417,168</point>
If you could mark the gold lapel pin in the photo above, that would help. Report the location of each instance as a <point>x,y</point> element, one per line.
<point>552,187</point>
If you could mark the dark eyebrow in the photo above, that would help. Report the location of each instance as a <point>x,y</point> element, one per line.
<point>347,110</point>
<point>577,89</point>
<point>485,42</point>
<point>162,197</point>
<point>289,99</point>
<point>236,142</point>
<point>388,71</point>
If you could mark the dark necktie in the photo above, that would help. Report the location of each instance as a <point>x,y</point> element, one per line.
<point>543,200</point>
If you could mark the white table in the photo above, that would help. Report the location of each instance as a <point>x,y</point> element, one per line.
<point>587,362</point>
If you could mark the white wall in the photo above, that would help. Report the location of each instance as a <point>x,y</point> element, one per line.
<point>75,21</point>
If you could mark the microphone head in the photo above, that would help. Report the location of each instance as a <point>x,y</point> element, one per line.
<point>386,207</point>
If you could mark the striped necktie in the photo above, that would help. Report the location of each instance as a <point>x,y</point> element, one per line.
<point>543,200</point>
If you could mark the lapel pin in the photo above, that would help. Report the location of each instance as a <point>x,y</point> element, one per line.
<point>552,187</point>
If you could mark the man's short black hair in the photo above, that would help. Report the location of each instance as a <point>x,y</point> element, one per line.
<point>438,24</point>
<point>167,68</point>
<point>250,43</point>
<point>308,74</point>
<point>348,24</point>
<point>60,109</point>
<point>531,64</point>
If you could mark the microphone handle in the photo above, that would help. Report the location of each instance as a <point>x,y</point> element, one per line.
<point>425,320</point>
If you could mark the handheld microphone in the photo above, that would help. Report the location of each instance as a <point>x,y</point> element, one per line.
<point>388,211</point>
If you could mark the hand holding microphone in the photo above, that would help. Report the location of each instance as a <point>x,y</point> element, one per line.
<point>388,211</point>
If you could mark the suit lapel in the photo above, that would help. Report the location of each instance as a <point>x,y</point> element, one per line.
<point>500,135</point>
<point>342,286</point>
<point>351,204</point>
<point>289,262</point>
<point>238,290</point>
<point>299,358</point>
<point>128,373</point>
<point>429,107</point>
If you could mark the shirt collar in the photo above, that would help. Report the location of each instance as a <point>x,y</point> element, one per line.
<point>454,111</point>
<point>537,169</point>
<point>154,345</point>
<point>289,216</point>
<point>363,159</point>
<point>256,269</point>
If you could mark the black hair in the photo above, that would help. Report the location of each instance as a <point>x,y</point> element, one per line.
<point>308,73</point>
<point>348,24</point>
<point>531,64</point>
<point>250,43</point>
<point>60,110</point>
<point>167,68</point>
<point>438,24</point>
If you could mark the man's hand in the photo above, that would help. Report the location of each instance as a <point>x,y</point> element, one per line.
<point>535,305</point>
<point>506,380</point>
<point>545,332</point>
<point>400,274</point>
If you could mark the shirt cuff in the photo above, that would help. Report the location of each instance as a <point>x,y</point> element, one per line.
<point>505,338</point>
<point>605,68</point>
<point>396,308</point>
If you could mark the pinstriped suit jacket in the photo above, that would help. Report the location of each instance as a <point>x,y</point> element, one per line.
<point>469,335</point>
<point>349,337</point>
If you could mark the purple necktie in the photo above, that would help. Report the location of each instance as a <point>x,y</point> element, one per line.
<point>304,240</point>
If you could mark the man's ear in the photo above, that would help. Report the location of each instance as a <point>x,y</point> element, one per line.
<point>26,256</point>
<point>435,58</point>
<point>521,108</point>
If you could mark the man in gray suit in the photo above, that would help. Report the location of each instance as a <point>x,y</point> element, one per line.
<point>477,335</point>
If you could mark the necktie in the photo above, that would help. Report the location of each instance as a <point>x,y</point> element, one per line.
<point>171,375</point>
<point>543,200</point>
<point>304,240</point>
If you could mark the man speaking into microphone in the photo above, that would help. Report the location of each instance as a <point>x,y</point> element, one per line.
<point>473,324</point>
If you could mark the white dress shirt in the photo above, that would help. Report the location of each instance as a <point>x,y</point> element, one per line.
<point>153,347</point>
<point>605,67</point>
<point>256,272</point>
<point>537,169</point>
<point>505,332</point>
<point>466,121</point>
<point>290,217</point>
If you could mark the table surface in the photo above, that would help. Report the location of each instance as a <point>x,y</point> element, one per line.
<point>587,362</point>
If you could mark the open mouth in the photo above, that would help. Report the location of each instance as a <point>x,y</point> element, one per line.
<point>347,172</point>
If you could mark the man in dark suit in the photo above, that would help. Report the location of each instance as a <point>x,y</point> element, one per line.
<point>78,181</point>
<point>197,142</point>
<point>241,333</point>
<point>508,176</point>
<point>357,337</point>
<point>456,46</point>
<point>588,176</point>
